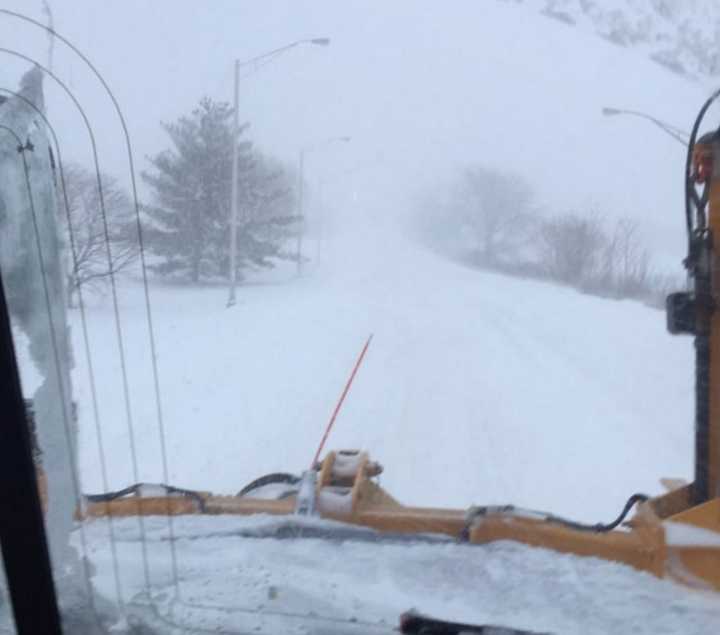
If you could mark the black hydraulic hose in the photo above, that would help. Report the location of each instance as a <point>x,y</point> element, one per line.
<point>111,496</point>
<point>601,527</point>
<point>134,489</point>
<point>268,479</point>
<point>558,520</point>
<point>690,194</point>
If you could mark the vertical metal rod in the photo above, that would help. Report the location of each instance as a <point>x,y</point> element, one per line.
<point>22,531</point>
<point>711,435</point>
<point>704,319</point>
<point>701,485</point>
<point>704,219</point>
<point>234,189</point>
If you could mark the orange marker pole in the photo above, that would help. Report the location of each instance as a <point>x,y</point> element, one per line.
<point>340,402</point>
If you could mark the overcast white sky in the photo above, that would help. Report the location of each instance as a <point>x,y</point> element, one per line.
<point>421,87</point>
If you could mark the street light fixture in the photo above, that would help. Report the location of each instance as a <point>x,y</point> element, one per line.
<point>301,181</point>
<point>318,41</point>
<point>676,133</point>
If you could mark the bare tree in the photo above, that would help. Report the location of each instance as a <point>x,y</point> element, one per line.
<point>97,254</point>
<point>632,261</point>
<point>576,249</point>
<point>624,267</point>
<point>495,207</point>
<point>571,247</point>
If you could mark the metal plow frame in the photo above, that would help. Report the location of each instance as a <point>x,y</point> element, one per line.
<point>355,499</point>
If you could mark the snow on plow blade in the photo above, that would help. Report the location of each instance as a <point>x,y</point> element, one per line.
<point>667,536</point>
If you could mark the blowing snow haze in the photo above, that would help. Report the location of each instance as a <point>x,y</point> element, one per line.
<point>423,91</point>
<point>490,192</point>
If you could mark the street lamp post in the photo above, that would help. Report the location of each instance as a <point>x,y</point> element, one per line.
<point>318,41</point>
<point>676,133</point>
<point>301,183</point>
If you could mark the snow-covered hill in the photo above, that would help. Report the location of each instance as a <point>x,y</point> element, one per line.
<point>681,36</point>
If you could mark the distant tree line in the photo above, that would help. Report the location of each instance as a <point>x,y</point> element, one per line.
<point>488,218</point>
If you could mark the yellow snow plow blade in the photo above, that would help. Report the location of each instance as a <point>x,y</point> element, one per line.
<point>690,553</point>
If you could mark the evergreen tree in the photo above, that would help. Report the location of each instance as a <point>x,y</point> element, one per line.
<point>189,224</point>
<point>267,220</point>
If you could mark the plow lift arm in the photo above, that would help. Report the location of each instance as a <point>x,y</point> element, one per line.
<point>695,312</point>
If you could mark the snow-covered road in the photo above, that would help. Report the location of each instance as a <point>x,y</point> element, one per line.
<point>476,388</point>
